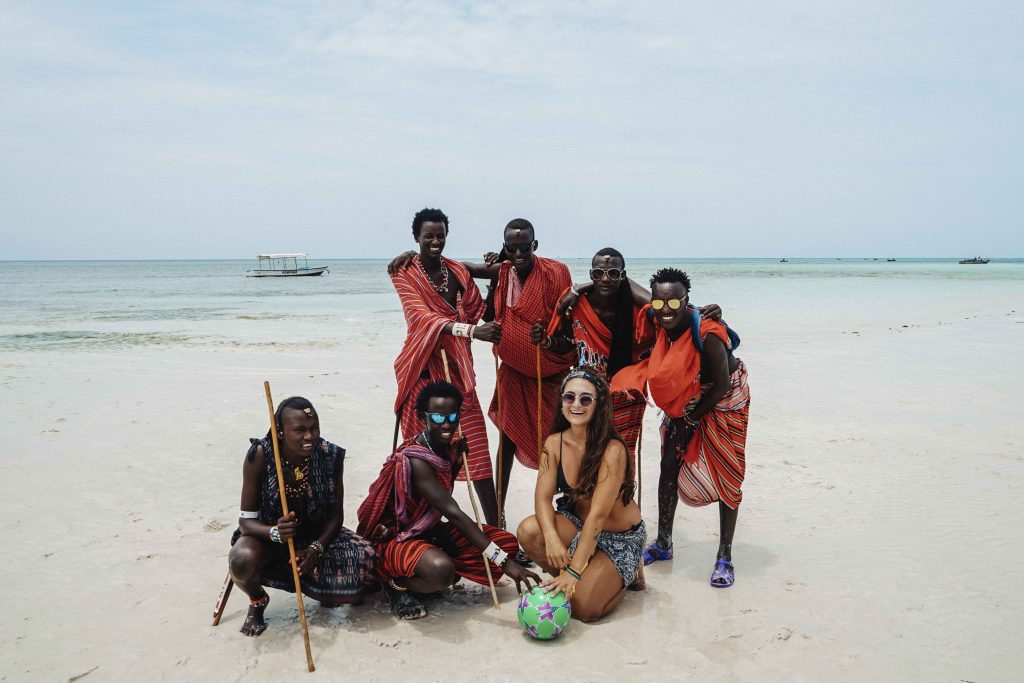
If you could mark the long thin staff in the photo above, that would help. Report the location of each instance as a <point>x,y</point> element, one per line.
<point>291,541</point>
<point>540,438</point>
<point>639,468</point>
<point>501,437</point>
<point>472,498</point>
<point>222,599</point>
<point>394,441</point>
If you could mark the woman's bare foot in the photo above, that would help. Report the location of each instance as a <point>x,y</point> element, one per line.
<point>254,624</point>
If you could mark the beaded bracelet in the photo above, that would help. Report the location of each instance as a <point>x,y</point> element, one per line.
<point>275,534</point>
<point>573,573</point>
<point>317,546</point>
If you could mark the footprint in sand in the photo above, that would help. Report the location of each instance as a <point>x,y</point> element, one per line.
<point>215,525</point>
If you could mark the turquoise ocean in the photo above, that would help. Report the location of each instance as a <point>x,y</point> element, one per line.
<point>97,305</point>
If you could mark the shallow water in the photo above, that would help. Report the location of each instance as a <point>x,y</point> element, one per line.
<point>66,305</point>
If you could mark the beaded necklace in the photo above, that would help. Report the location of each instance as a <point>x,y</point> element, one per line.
<point>301,473</point>
<point>441,288</point>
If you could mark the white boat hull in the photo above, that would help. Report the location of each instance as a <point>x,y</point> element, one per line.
<point>288,272</point>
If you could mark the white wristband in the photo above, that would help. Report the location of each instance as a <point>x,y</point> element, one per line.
<point>460,330</point>
<point>495,554</point>
<point>246,514</point>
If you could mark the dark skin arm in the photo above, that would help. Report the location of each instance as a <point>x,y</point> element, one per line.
<point>714,368</point>
<point>641,297</point>
<point>481,271</point>
<point>287,526</point>
<point>560,342</point>
<point>426,485</point>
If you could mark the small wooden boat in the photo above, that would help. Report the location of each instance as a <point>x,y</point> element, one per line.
<point>976,261</point>
<point>890,260</point>
<point>284,265</point>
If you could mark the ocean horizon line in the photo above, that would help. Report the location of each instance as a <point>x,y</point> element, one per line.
<point>477,257</point>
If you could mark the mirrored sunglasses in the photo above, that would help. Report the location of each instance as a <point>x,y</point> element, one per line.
<point>674,304</point>
<point>612,273</point>
<point>441,418</point>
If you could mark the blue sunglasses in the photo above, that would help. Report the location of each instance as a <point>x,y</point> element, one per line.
<point>441,418</point>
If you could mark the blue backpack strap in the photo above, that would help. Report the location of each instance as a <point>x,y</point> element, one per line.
<point>698,343</point>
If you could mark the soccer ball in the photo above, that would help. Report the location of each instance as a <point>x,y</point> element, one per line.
<point>544,616</point>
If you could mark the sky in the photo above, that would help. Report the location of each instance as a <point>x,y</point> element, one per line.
<point>682,129</point>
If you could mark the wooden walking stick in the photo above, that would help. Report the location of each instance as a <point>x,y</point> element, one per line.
<point>540,438</point>
<point>291,541</point>
<point>222,599</point>
<point>472,497</point>
<point>394,441</point>
<point>639,472</point>
<point>501,437</point>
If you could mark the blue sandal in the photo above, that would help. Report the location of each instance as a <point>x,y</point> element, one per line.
<point>655,553</point>
<point>724,574</point>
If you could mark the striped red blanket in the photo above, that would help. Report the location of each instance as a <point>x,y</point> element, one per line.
<point>419,362</point>
<point>517,306</point>
<point>391,501</point>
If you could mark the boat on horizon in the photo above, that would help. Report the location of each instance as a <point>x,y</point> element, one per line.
<point>976,261</point>
<point>783,260</point>
<point>890,260</point>
<point>284,265</point>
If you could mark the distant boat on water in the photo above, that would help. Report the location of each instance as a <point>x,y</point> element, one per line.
<point>976,261</point>
<point>782,260</point>
<point>890,260</point>
<point>284,265</point>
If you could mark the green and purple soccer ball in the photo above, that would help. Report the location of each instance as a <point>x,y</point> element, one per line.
<point>544,615</point>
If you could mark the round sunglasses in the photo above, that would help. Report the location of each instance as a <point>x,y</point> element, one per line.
<point>674,304</point>
<point>569,397</point>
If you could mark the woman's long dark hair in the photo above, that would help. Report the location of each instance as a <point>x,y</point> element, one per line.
<point>600,432</point>
<point>622,323</point>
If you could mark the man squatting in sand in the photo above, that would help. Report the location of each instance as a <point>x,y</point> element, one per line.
<point>442,307</point>
<point>335,564</point>
<point>704,394</point>
<point>419,553</point>
<point>525,289</point>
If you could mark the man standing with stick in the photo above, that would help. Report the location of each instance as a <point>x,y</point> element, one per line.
<point>419,553</point>
<point>442,307</point>
<point>528,287</point>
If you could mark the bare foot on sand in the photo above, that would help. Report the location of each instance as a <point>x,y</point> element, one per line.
<point>254,624</point>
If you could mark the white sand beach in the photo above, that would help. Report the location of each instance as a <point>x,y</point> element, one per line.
<point>880,536</point>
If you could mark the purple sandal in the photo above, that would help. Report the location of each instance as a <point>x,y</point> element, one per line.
<point>724,574</point>
<point>655,553</point>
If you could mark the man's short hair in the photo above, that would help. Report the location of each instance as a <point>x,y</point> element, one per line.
<point>428,216</point>
<point>666,275</point>
<point>521,224</point>
<point>437,390</point>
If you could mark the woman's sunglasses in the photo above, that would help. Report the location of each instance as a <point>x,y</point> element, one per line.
<point>568,398</point>
<point>441,418</point>
<point>674,304</point>
<point>612,273</point>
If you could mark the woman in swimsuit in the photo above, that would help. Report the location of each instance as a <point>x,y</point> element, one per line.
<point>593,546</point>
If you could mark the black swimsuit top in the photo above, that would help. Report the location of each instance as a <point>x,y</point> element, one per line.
<point>563,485</point>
